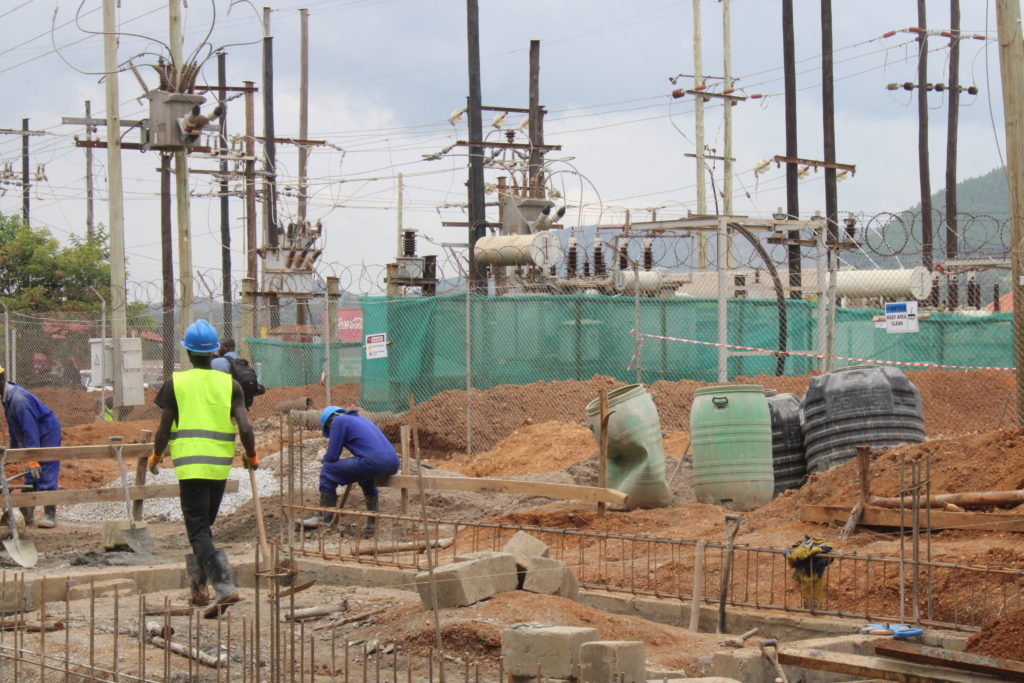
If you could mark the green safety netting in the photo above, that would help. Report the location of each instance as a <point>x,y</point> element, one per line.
<point>525,339</point>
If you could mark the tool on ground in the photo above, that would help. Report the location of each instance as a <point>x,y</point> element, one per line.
<point>22,551</point>
<point>765,644</point>
<point>682,459</point>
<point>137,537</point>
<point>284,572</point>
<point>730,538</point>
<point>742,640</point>
<point>809,562</point>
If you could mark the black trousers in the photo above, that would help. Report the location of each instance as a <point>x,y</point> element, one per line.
<point>200,500</point>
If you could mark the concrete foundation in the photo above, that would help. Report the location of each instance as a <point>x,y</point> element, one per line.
<point>464,583</point>
<point>531,650</point>
<point>612,660</point>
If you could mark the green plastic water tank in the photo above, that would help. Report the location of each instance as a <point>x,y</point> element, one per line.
<point>636,455</point>
<point>731,432</point>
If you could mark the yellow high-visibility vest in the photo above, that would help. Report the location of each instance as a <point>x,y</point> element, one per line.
<point>203,437</point>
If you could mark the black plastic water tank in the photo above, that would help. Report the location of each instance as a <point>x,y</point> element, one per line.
<point>859,405</point>
<point>788,460</point>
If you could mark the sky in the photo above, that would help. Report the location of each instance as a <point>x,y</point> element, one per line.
<point>385,75</point>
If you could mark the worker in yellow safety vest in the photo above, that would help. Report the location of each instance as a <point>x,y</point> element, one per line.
<point>197,407</point>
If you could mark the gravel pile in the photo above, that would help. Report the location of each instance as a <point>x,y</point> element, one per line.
<point>169,509</point>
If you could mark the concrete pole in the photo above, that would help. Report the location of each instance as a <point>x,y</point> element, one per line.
<point>115,189</point>
<point>250,182</point>
<point>333,292</point>
<point>792,188</point>
<point>181,185</point>
<point>303,109</point>
<point>698,113</point>
<point>225,216</point>
<point>248,316</point>
<point>401,204</point>
<point>721,248</point>
<point>727,119</point>
<point>535,163</point>
<point>26,184</point>
<point>952,124</point>
<point>90,219</point>
<point>1011,60</point>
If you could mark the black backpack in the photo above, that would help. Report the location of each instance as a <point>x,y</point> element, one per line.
<point>244,374</point>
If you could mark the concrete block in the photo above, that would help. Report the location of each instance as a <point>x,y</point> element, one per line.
<point>505,581</point>
<point>550,577</point>
<point>524,546</point>
<point>103,589</point>
<point>613,660</point>
<point>554,649</point>
<point>112,536</point>
<point>464,583</point>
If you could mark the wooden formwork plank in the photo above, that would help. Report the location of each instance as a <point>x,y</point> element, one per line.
<point>104,495</point>
<point>875,667</point>
<point>588,494</point>
<point>66,453</point>
<point>872,516</point>
<point>966,661</point>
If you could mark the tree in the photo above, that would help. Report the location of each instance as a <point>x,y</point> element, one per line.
<point>38,273</point>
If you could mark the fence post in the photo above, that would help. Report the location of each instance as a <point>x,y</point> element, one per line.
<point>330,333</point>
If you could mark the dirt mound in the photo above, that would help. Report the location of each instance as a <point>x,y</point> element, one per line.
<point>535,448</point>
<point>93,433</point>
<point>1002,638</point>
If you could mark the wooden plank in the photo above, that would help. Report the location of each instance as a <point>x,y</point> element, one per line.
<point>67,453</point>
<point>141,470</point>
<point>966,661</point>
<point>966,499</point>
<point>104,495</point>
<point>588,494</point>
<point>974,521</point>
<point>876,667</point>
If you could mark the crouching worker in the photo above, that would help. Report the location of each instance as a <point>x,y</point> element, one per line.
<point>197,407</point>
<point>372,456</point>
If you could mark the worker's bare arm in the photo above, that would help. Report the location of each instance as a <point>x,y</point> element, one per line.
<point>241,418</point>
<point>163,432</point>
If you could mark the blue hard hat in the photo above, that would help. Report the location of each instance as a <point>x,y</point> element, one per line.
<point>200,337</point>
<point>328,413</point>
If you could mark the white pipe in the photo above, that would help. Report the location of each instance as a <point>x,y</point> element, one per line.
<point>539,249</point>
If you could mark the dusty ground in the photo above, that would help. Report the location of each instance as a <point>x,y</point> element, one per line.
<point>1004,638</point>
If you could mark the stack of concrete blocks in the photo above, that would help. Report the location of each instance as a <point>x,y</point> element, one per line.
<point>537,572</point>
<point>470,579</point>
<point>613,660</point>
<point>570,653</point>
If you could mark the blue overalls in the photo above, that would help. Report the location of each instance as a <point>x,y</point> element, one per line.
<point>32,425</point>
<point>373,455</point>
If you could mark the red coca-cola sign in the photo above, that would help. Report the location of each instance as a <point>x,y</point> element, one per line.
<point>350,324</point>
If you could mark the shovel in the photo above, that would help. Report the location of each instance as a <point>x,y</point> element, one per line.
<point>21,551</point>
<point>138,539</point>
<point>730,535</point>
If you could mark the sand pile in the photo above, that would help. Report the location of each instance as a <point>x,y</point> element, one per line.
<point>1002,638</point>
<point>533,448</point>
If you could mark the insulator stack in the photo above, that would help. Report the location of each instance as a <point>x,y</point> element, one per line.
<point>648,254</point>
<point>599,269</point>
<point>571,258</point>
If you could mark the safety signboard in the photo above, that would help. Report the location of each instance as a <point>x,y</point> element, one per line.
<point>901,317</point>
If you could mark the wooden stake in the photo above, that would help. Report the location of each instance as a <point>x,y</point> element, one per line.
<point>864,467</point>
<point>404,435</point>
<point>602,454</point>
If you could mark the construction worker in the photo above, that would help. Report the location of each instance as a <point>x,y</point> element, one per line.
<point>197,407</point>
<point>372,456</point>
<point>31,424</point>
<point>225,353</point>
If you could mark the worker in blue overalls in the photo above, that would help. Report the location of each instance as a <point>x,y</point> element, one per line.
<point>31,424</point>
<point>372,456</point>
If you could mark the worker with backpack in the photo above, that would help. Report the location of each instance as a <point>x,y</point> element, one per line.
<point>229,361</point>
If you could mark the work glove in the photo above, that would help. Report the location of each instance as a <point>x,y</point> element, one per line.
<point>34,470</point>
<point>251,464</point>
<point>154,463</point>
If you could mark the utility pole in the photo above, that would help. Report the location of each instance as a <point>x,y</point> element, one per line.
<point>477,207</point>
<point>698,114</point>
<point>303,110</point>
<point>792,186</point>
<point>90,218</point>
<point>225,224</point>
<point>167,265</point>
<point>1011,60</point>
<point>922,139</point>
<point>401,205</point>
<point>536,127</point>
<point>181,178</point>
<point>269,156</point>
<point>831,198</point>
<point>727,113</point>
<point>250,185</point>
<point>953,294</point>
<point>26,195</point>
<point>115,189</point>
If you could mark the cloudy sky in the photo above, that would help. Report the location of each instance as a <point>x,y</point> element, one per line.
<point>386,74</point>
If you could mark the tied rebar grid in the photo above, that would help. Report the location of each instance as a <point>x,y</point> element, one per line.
<point>963,596</point>
<point>128,643</point>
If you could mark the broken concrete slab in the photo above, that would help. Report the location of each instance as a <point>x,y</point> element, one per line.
<point>612,660</point>
<point>524,546</point>
<point>464,583</point>
<point>538,649</point>
<point>550,577</point>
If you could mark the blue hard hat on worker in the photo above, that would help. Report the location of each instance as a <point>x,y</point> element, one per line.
<point>327,414</point>
<point>201,337</point>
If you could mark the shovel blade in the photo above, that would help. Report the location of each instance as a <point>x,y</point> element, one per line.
<point>22,551</point>
<point>139,541</point>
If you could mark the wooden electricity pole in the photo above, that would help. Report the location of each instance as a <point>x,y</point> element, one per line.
<point>167,265</point>
<point>477,206</point>
<point>303,110</point>
<point>792,180</point>
<point>181,180</point>
<point>250,184</point>
<point>952,122</point>
<point>698,115</point>
<point>225,215</point>
<point>90,218</point>
<point>1011,59</point>
<point>922,138</point>
<point>270,232</point>
<point>26,194</point>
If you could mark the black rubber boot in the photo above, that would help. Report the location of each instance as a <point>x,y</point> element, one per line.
<point>219,572</point>
<point>370,525</point>
<point>327,500</point>
<point>29,514</point>
<point>199,595</point>
<point>49,519</point>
